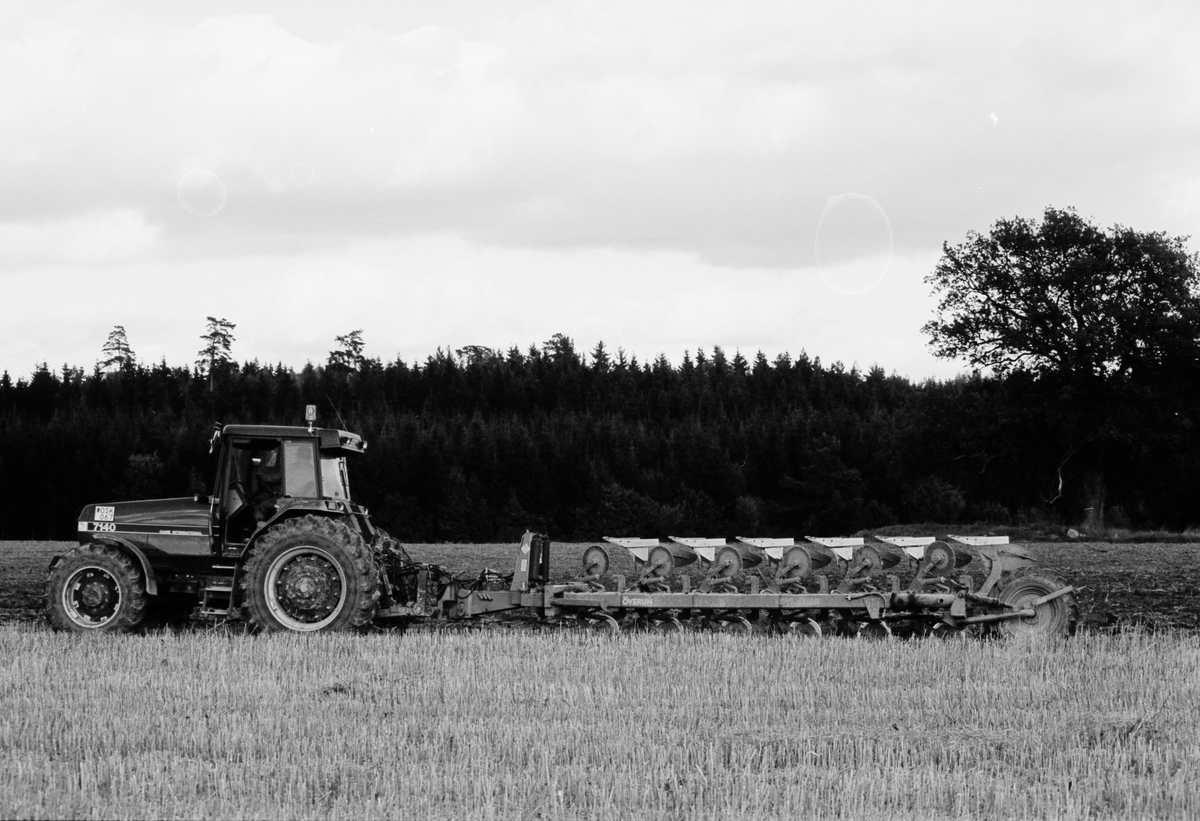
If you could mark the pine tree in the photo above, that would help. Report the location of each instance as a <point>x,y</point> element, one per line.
<point>350,357</point>
<point>600,359</point>
<point>120,357</point>
<point>216,353</point>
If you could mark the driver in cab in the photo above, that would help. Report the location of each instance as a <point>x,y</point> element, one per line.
<point>267,483</point>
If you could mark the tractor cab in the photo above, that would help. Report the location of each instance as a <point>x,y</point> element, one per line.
<point>265,471</point>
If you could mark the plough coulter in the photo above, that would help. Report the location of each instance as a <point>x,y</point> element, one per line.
<point>280,544</point>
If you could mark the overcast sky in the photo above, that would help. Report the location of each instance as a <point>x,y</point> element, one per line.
<point>660,175</point>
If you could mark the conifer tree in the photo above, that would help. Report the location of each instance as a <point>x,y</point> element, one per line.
<point>349,357</point>
<point>218,339</point>
<point>118,355</point>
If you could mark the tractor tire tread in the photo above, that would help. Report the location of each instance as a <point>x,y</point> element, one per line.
<point>362,561</point>
<point>121,566</point>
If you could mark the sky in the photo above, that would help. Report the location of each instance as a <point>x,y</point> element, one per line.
<point>661,175</point>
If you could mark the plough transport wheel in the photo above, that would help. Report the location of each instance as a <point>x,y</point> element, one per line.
<point>1056,617</point>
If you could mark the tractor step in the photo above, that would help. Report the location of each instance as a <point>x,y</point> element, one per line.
<point>215,601</point>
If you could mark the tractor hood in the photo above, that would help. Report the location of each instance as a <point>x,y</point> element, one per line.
<point>184,516</point>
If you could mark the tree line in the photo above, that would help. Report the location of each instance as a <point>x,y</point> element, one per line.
<point>477,444</point>
<point>1082,411</point>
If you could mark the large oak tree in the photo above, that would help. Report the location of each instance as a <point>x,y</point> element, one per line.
<point>1106,321</point>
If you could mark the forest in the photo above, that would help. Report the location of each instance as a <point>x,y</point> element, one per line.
<point>477,445</point>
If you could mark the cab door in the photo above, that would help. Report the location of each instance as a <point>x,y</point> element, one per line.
<point>233,515</point>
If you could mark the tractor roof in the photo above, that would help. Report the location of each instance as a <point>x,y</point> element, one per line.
<point>329,438</point>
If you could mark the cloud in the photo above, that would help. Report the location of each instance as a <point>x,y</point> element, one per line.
<point>655,171</point>
<point>655,125</point>
<point>410,295</point>
<point>95,238</point>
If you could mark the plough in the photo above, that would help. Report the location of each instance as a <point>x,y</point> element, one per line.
<point>846,586</point>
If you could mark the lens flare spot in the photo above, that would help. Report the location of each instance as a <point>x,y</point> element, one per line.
<point>201,192</point>
<point>854,243</point>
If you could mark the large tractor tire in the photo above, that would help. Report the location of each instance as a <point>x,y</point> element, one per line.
<point>1055,618</point>
<point>96,589</point>
<point>310,574</point>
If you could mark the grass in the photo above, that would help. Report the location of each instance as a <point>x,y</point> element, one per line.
<point>501,724</point>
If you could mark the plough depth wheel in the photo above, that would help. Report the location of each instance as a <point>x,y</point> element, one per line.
<point>1056,617</point>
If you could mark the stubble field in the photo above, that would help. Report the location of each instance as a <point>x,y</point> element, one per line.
<point>566,724</point>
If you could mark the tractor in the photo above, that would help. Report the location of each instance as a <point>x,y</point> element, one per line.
<point>279,542</point>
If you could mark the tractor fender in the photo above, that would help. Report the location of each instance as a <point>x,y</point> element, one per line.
<point>293,512</point>
<point>133,550</point>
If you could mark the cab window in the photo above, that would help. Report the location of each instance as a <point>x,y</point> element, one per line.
<point>300,469</point>
<point>333,477</point>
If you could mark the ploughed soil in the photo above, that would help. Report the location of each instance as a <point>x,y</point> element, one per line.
<point>1119,586</point>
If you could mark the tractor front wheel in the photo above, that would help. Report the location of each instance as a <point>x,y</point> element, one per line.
<point>96,588</point>
<point>308,575</point>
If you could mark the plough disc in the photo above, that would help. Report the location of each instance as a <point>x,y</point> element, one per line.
<point>660,563</point>
<point>595,561</point>
<point>799,562</point>
<point>872,559</point>
<point>728,563</point>
<point>941,559</point>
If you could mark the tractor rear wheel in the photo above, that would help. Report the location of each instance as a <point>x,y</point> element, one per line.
<point>1057,617</point>
<point>96,588</point>
<point>310,574</point>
